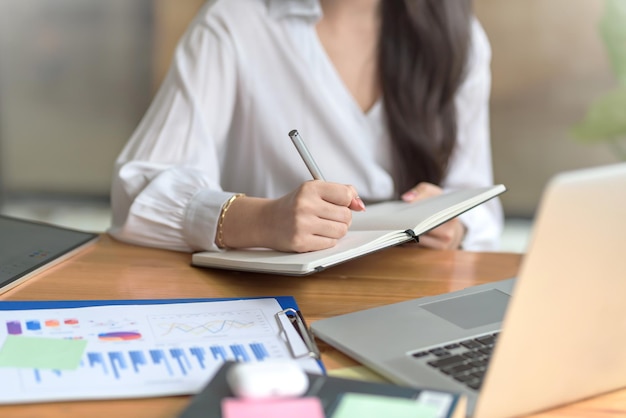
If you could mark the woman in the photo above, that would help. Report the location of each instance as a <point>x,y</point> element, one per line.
<point>390,96</point>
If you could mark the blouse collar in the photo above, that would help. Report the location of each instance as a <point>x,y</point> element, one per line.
<point>310,9</point>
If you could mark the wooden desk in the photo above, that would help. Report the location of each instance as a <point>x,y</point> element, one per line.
<point>113,270</point>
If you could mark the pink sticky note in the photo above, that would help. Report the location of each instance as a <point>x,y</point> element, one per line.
<point>308,407</point>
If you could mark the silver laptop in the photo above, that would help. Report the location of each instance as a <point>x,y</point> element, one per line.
<point>553,335</point>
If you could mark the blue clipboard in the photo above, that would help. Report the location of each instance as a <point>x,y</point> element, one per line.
<point>290,310</point>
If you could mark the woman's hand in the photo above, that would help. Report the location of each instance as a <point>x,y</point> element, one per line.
<point>312,217</point>
<point>446,236</point>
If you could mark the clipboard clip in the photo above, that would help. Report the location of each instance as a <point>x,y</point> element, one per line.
<point>295,318</point>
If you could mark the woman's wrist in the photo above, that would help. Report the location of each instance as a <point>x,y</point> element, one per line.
<point>241,224</point>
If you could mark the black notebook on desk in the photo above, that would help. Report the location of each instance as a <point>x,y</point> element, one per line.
<point>28,247</point>
<point>329,389</point>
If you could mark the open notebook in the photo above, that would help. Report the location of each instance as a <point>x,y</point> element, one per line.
<point>382,225</point>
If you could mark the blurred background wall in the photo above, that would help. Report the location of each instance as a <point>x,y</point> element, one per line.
<point>77,75</point>
<point>549,63</point>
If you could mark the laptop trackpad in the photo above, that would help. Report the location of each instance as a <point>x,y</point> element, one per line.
<point>471,311</point>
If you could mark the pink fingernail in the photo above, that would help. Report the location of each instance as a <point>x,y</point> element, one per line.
<point>360,203</point>
<point>408,196</point>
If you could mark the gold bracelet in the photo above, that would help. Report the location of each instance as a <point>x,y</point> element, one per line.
<point>220,223</point>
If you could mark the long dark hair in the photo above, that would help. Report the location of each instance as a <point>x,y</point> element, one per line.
<point>422,55</point>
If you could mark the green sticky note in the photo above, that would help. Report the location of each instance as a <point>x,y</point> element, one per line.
<point>375,406</point>
<point>41,353</point>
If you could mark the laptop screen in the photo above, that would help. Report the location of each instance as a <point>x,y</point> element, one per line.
<point>27,246</point>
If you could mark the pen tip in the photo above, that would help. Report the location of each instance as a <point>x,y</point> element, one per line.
<point>293,132</point>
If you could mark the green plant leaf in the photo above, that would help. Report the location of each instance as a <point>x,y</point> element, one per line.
<point>613,31</point>
<point>605,119</point>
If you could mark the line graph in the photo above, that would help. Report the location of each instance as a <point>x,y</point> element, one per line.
<point>210,324</point>
<point>211,327</point>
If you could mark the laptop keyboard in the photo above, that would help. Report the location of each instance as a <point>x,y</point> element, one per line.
<point>465,361</point>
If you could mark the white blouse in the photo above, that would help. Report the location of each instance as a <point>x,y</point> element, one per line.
<point>246,73</point>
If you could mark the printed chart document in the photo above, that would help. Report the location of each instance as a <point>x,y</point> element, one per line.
<point>144,350</point>
<point>382,225</point>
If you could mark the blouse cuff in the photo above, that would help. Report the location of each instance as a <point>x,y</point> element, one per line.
<point>484,227</point>
<point>201,216</point>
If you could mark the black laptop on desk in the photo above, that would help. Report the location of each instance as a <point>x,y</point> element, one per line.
<point>28,247</point>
